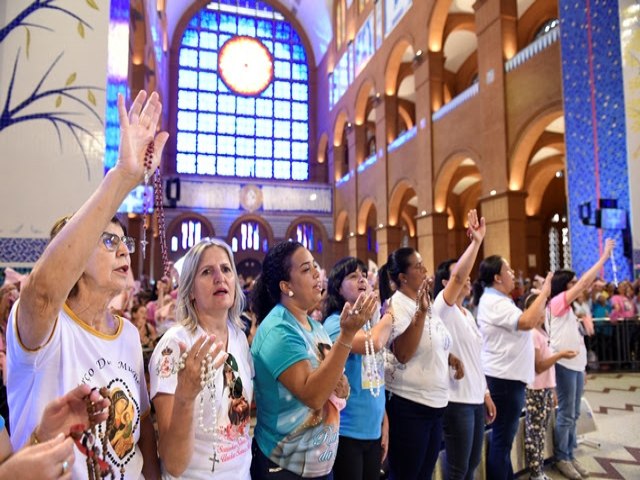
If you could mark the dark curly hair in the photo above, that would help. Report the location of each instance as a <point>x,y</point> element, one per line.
<point>275,268</point>
<point>345,267</point>
<point>397,263</point>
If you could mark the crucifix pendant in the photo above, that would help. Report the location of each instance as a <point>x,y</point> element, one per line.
<point>213,459</point>
<point>144,243</point>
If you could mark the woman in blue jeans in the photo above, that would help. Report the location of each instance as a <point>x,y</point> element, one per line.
<point>464,417</point>
<point>566,332</point>
<point>507,354</point>
<point>417,373</point>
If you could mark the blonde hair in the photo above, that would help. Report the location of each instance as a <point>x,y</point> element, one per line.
<point>186,312</point>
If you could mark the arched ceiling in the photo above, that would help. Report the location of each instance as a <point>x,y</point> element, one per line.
<point>314,16</point>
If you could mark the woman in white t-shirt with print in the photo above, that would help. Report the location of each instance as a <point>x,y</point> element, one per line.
<point>417,372</point>
<point>203,410</point>
<point>469,400</point>
<point>507,354</point>
<point>566,333</point>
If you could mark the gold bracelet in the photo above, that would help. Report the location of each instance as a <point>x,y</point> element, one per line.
<point>345,345</point>
<point>33,439</point>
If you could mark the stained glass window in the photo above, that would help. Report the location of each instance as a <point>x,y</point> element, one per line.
<point>225,127</point>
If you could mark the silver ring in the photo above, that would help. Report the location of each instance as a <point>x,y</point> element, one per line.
<point>356,312</point>
<point>65,467</point>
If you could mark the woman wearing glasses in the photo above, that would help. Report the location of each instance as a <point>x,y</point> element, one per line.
<point>203,410</point>
<point>61,332</point>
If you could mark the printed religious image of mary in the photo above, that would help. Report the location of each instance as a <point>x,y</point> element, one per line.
<point>120,423</point>
<point>238,409</point>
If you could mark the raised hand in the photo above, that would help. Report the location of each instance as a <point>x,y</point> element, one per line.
<point>354,317</point>
<point>137,130</point>
<point>609,245</point>
<point>477,227</point>
<point>204,349</point>
<point>546,285</point>
<point>423,300</point>
<point>71,409</point>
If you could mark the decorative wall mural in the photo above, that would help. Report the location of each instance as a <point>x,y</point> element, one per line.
<point>53,104</point>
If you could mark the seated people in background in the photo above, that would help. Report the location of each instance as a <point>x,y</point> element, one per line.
<point>61,332</point>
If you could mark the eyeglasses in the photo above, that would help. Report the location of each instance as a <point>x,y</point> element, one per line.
<point>112,241</point>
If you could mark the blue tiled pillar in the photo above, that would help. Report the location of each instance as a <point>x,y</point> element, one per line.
<point>594,124</point>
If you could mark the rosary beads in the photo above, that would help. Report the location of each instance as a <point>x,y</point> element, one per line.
<point>370,362</point>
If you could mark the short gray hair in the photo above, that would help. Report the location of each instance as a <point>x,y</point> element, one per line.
<point>185,312</point>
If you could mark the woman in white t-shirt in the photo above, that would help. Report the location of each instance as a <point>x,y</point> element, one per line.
<point>417,372</point>
<point>507,354</point>
<point>566,333</point>
<point>203,415</point>
<point>469,400</point>
<point>61,332</point>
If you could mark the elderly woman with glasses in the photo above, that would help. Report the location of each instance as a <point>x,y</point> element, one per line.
<point>61,332</point>
<point>203,410</point>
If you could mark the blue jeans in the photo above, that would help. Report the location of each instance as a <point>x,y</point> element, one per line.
<point>508,396</point>
<point>415,438</point>
<point>569,386</point>
<point>463,436</point>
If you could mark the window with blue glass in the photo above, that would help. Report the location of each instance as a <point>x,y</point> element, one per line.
<point>305,234</point>
<point>243,94</point>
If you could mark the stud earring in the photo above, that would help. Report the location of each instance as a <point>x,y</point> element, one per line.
<point>290,294</point>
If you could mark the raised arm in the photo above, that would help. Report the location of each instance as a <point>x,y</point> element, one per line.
<point>314,386</point>
<point>462,268</point>
<point>533,316</point>
<point>64,259</point>
<point>406,344</point>
<point>590,275</point>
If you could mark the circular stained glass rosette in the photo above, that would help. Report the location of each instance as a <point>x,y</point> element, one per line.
<point>245,65</point>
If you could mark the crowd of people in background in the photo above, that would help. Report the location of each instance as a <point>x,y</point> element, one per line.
<point>345,371</point>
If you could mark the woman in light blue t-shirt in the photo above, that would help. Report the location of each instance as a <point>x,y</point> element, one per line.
<point>299,386</point>
<point>364,430</point>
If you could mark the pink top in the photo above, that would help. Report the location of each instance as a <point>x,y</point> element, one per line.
<point>546,379</point>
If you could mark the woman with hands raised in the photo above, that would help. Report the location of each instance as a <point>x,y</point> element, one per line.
<point>507,354</point>
<point>61,332</point>
<point>470,403</point>
<point>201,372</point>
<point>567,333</point>
<point>417,372</point>
<point>364,430</point>
<point>297,369</point>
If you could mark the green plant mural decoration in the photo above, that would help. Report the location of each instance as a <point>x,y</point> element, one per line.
<point>17,111</point>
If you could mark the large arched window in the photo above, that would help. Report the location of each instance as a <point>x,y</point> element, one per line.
<point>243,94</point>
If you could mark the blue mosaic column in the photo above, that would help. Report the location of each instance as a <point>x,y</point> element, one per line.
<point>595,135</point>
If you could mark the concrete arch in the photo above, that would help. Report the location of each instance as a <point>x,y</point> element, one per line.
<point>367,90</point>
<point>395,200</point>
<point>526,141</point>
<point>306,219</point>
<point>392,67</point>
<point>250,218</point>
<point>437,23</point>
<point>411,223</point>
<point>323,143</point>
<point>338,127</point>
<point>445,176</point>
<point>363,213</point>
<point>342,221</point>
<point>538,179</point>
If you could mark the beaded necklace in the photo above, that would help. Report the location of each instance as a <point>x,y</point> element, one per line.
<point>370,362</point>
<point>207,379</point>
<point>159,206</point>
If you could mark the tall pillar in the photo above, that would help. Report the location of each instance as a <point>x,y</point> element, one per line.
<point>506,227</point>
<point>595,134</point>
<point>432,239</point>
<point>389,239</point>
<point>358,247</point>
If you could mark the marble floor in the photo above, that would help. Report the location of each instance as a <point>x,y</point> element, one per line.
<point>613,450</point>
